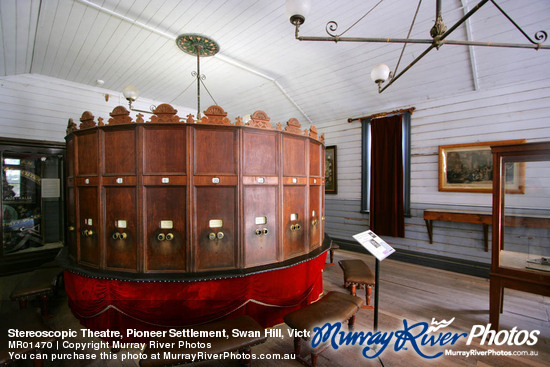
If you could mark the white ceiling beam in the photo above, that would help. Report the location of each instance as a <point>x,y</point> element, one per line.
<point>471,51</point>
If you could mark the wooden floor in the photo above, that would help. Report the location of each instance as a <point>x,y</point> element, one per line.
<point>407,291</point>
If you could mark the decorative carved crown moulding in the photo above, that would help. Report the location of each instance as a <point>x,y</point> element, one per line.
<point>164,113</point>
<point>214,115</point>
<point>120,115</point>
<point>294,127</point>
<point>260,119</point>
<point>87,120</point>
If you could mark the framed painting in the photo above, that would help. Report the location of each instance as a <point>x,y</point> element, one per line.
<point>469,168</point>
<point>331,178</point>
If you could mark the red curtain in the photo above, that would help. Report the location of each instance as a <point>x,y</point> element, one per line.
<point>386,196</point>
<point>102,304</point>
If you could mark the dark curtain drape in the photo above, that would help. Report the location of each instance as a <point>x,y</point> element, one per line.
<point>386,195</point>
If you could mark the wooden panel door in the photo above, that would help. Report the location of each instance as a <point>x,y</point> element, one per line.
<point>164,149</point>
<point>260,224</point>
<point>215,227</point>
<point>294,221</point>
<point>120,228</point>
<point>315,154</point>
<point>119,150</point>
<point>87,153</point>
<point>165,229</point>
<point>294,155</point>
<point>215,151</point>
<point>88,226</point>
<point>260,153</point>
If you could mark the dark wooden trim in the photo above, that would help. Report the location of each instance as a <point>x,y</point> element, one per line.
<point>433,261</point>
<point>383,114</point>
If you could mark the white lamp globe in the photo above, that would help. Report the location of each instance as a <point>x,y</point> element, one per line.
<point>297,10</point>
<point>130,92</point>
<point>380,73</point>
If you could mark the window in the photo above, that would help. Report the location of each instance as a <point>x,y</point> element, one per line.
<point>366,163</point>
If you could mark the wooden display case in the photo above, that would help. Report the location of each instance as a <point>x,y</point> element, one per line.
<point>521,224</point>
<point>173,196</point>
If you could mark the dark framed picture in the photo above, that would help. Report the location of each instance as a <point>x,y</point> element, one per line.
<point>469,168</point>
<point>331,178</point>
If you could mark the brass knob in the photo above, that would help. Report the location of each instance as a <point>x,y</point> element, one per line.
<point>88,233</point>
<point>265,231</point>
<point>123,236</point>
<point>298,227</point>
<point>116,236</point>
<point>314,222</point>
<point>212,236</point>
<point>258,232</point>
<point>220,235</point>
<point>71,228</point>
<point>161,237</point>
<point>292,227</point>
<point>169,236</point>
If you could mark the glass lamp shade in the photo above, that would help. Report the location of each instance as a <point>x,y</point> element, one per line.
<point>380,73</point>
<point>130,92</point>
<point>297,10</point>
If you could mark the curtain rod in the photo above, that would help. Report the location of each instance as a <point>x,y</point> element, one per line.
<point>383,114</point>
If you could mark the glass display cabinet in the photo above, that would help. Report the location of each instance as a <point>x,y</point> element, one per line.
<point>32,203</point>
<point>521,222</point>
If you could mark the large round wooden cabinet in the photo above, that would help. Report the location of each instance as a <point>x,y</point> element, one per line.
<point>173,196</point>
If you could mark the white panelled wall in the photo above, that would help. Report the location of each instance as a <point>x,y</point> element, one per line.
<point>38,107</point>
<point>519,111</point>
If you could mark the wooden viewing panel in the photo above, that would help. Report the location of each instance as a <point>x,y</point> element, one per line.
<point>484,218</point>
<point>174,196</point>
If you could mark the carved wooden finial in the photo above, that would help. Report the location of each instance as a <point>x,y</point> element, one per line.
<point>279,126</point>
<point>139,118</point>
<point>120,115</point>
<point>164,113</point>
<point>100,121</point>
<point>322,138</point>
<point>215,115</point>
<point>190,119</point>
<point>293,126</point>
<point>313,132</point>
<point>260,119</point>
<point>87,120</point>
<point>71,126</point>
<point>239,121</point>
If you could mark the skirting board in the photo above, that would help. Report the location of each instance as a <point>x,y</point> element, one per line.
<point>434,261</point>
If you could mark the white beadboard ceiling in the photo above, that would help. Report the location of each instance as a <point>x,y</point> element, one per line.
<point>260,65</point>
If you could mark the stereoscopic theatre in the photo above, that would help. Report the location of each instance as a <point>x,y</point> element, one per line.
<point>204,219</point>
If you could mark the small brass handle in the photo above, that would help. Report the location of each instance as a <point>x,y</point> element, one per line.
<point>116,236</point>
<point>292,227</point>
<point>71,228</point>
<point>265,231</point>
<point>212,236</point>
<point>169,236</point>
<point>314,222</point>
<point>298,227</point>
<point>123,236</point>
<point>220,235</point>
<point>161,237</point>
<point>258,232</point>
<point>88,233</point>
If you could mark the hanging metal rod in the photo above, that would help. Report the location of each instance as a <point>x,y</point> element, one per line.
<point>438,32</point>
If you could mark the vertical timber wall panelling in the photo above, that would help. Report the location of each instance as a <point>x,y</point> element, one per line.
<point>34,106</point>
<point>518,111</point>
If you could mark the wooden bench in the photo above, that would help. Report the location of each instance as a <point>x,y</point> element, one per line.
<point>333,307</point>
<point>357,274</point>
<point>180,349</point>
<point>41,283</point>
<point>24,320</point>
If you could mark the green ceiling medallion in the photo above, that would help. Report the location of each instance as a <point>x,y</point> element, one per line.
<point>192,43</point>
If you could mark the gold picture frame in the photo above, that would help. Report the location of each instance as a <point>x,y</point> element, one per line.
<point>469,168</point>
<point>331,177</point>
